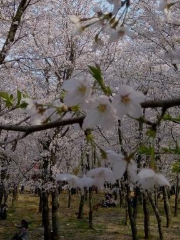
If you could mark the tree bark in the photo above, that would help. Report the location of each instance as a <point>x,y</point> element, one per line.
<point>55,214</point>
<point>158,217</point>
<point>121,197</point>
<point>81,208</point>
<point>176,196</point>
<point>69,198</point>
<point>167,207</point>
<point>90,209</point>
<point>146,216</point>
<point>15,195</point>
<point>131,218</point>
<point>40,200</point>
<point>45,216</point>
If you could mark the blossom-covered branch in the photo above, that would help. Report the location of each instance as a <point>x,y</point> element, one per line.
<point>165,104</point>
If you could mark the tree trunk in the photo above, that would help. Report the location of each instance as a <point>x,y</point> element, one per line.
<point>136,202</point>
<point>167,207</point>
<point>69,198</point>
<point>15,195</point>
<point>176,196</point>
<point>81,208</point>
<point>90,209</point>
<point>45,216</point>
<point>155,198</point>
<point>40,200</point>
<point>121,197</point>
<point>146,216</point>
<point>131,218</point>
<point>158,217</point>
<point>55,214</point>
<point>1,193</point>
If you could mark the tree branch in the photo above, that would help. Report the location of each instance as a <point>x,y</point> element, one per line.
<point>164,104</point>
<point>13,29</point>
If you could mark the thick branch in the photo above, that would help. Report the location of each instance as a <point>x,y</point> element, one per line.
<point>31,129</point>
<point>13,29</point>
<point>164,104</point>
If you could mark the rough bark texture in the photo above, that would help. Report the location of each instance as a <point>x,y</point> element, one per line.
<point>40,200</point>
<point>69,198</point>
<point>45,216</point>
<point>15,195</point>
<point>90,209</point>
<point>176,196</point>
<point>146,216</point>
<point>167,207</point>
<point>13,29</point>
<point>131,218</point>
<point>55,214</point>
<point>81,208</point>
<point>121,195</point>
<point>158,217</point>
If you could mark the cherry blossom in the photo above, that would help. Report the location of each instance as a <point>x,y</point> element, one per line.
<point>101,175</point>
<point>148,178</point>
<point>78,91</point>
<point>128,102</point>
<point>120,165</point>
<point>100,113</point>
<point>119,33</point>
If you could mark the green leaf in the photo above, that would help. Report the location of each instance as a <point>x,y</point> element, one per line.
<point>97,75</point>
<point>75,108</point>
<point>4,95</point>
<point>145,150</point>
<point>168,117</point>
<point>23,105</point>
<point>8,99</point>
<point>19,97</point>
<point>176,167</point>
<point>103,153</point>
<point>151,133</point>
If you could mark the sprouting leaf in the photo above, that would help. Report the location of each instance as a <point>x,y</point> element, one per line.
<point>145,150</point>
<point>103,153</point>
<point>76,170</point>
<point>97,75</point>
<point>4,95</point>
<point>151,133</point>
<point>19,97</point>
<point>168,117</point>
<point>8,99</point>
<point>75,108</point>
<point>23,105</point>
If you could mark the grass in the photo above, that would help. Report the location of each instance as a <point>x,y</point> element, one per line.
<point>108,222</point>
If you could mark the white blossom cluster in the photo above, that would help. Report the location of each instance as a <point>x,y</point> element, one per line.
<point>147,178</point>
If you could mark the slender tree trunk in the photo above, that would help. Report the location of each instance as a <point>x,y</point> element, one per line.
<point>121,197</point>
<point>85,194</point>
<point>55,214</point>
<point>167,207</point>
<point>126,215</point>
<point>176,196</point>
<point>40,200</point>
<point>90,209</point>
<point>81,208</point>
<point>158,217</point>
<point>15,195</point>
<point>136,202</point>
<point>45,216</point>
<point>131,218</point>
<point>146,216</point>
<point>1,193</point>
<point>69,198</point>
<point>155,198</point>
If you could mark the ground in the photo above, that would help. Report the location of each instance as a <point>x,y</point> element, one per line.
<point>108,222</point>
